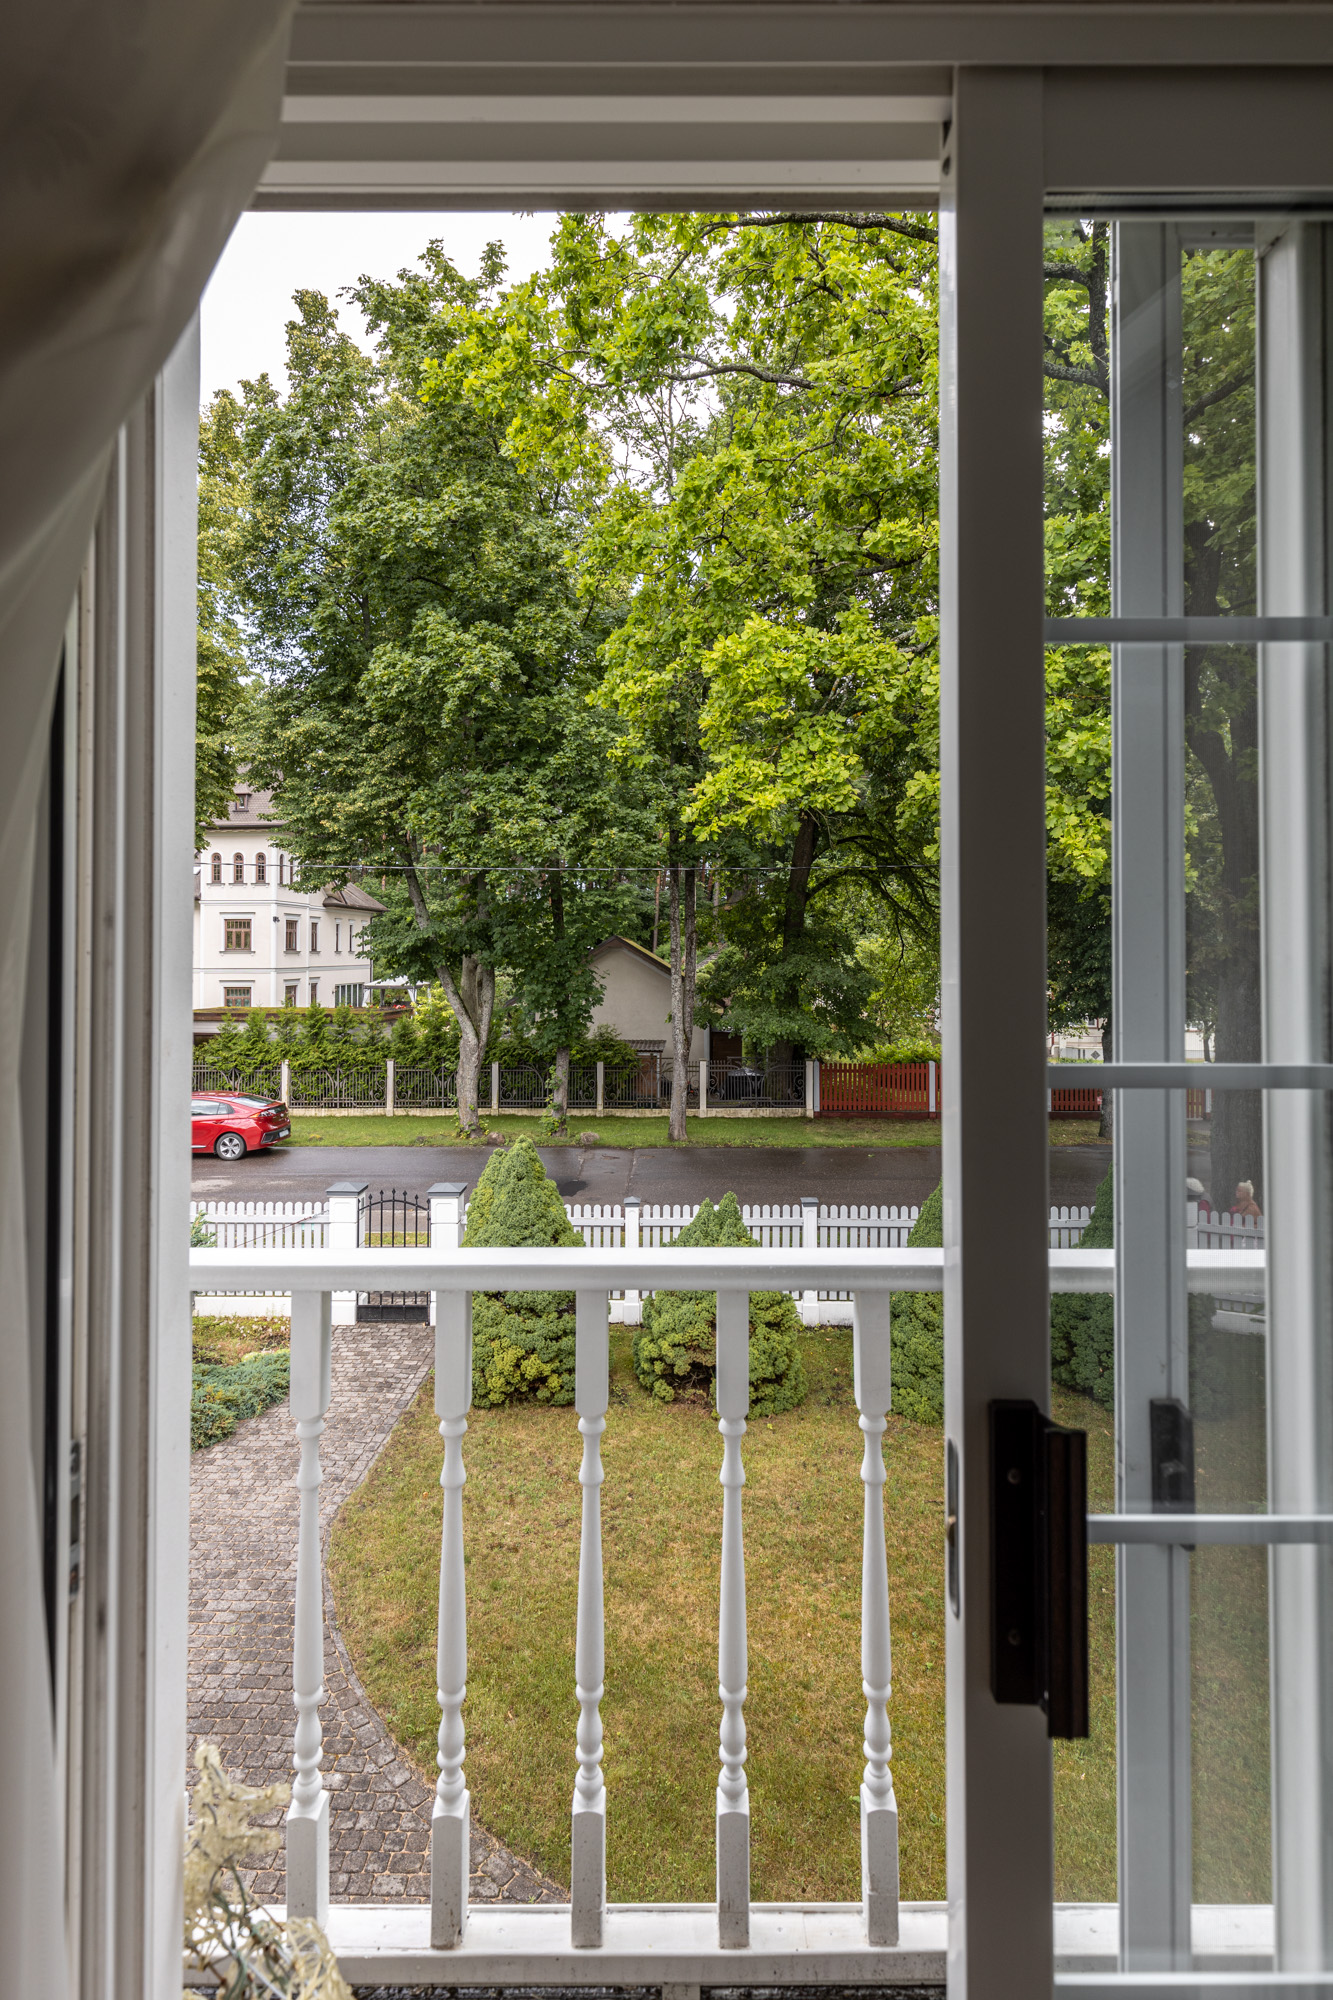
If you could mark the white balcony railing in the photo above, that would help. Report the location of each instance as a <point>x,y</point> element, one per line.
<point>732,1941</point>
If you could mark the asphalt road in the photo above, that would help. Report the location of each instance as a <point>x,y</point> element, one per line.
<point>882,1174</point>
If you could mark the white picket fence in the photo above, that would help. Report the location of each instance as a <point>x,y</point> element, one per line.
<point>294,1225</point>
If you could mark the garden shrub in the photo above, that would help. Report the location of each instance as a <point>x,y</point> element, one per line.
<point>675,1350</point>
<point>522,1342</point>
<point>916,1330</point>
<point>222,1395</point>
<point>1083,1323</point>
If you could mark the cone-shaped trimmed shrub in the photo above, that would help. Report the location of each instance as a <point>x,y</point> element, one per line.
<point>916,1331</point>
<point>522,1342</point>
<point>675,1350</point>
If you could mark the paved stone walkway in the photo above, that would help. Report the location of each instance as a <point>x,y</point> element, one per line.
<point>243,1516</point>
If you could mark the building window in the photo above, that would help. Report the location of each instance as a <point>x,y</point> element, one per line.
<point>314,934</point>
<point>261,868</point>
<point>238,868</point>
<point>217,867</point>
<point>314,992</point>
<point>289,996</point>
<point>293,934</point>
<point>337,940</point>
<point>349,996</point>
<point>236,996</point>
<point>236,934</point>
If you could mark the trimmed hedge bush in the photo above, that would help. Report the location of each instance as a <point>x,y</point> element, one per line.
<point>1083,1323</point>
<point>916,1331</point>
<point>221,1395</point>
<point>675,1350</point>
<point>522,1342</point>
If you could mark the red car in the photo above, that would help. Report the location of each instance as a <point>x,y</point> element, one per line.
<point>232,1126</point>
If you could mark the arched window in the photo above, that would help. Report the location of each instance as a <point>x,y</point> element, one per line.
<point>238,868</point>
<point>217,867</point>
<point>261,868</point>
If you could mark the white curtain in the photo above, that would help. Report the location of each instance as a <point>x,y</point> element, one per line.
<point>131,135</point>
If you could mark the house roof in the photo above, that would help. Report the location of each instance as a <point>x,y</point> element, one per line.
<point>615,942</point>
<point>254,814</point>
<point>352,897</point>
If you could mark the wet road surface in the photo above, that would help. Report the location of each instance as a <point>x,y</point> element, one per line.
<point>834,1174</point>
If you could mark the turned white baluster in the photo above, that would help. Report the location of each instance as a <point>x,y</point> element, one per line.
<point>733,1794</point>
<point>879,1807</point>
<point>308,1813</point>
<point>450,1826</point>
<point>587,1893</point>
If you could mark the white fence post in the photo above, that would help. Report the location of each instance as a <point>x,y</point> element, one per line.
<point>285,1082</point>
<point>446,1200</point>
<point>388,1087</point>
<point>703,1088</point>
<point>809,1086</point>
<point>809,1241</point>
<point>495,1088</point>
<point>450,1826</point>
<point>879,1808</point>
<point>601,1088</point>
<point>308,1813</point>
<point>587,1881</point>
<point>733,1793</point>
<point>345,1234</point>
<point>633,1303</point>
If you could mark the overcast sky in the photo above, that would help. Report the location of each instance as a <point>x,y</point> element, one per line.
<point>249,297</point>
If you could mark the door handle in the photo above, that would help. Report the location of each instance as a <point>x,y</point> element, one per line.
<point>1039,1565</point>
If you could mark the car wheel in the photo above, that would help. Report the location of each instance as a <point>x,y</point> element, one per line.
<point>229,1146</point>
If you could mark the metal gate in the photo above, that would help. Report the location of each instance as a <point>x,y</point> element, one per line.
<point>393,1220</point>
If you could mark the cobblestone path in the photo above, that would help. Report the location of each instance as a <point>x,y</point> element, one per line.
<point>243,1514</point>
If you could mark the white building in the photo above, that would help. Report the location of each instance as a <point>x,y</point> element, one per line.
<point>258,940</point>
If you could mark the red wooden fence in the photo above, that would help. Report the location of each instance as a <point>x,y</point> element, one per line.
<point>906,1090</point>
<point>878,1090</point>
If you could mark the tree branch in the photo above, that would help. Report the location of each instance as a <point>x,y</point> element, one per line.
<point>916,232</point>
<point>1196,409</point>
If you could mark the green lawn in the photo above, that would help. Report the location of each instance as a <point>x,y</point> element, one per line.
<point>661,1513</point>
<point>651,1130</point>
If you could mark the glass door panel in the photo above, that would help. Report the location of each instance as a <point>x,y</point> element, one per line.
<point>1189,811</point>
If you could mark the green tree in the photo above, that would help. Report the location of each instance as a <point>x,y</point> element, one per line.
<point>749,400</point>
<point>220,679</point>
<point>410,606</point>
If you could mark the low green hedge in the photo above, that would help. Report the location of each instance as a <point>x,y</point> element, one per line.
<point>916,1330</point>
<point>522,1342</point>
<point>675,1349</point>
<point>225,1393</point>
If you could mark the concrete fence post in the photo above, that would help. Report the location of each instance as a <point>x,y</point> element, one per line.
<point>601,1088</point>
<point>932,1088</point>
<point>703,1088</point>
<point>809,1086</point>
<point>633,1303</point>
<point>388,1087</point>
<point>345,1234</point>
<point>285,1082</point>
<point>447,1200</point>
<point>495,1088</point>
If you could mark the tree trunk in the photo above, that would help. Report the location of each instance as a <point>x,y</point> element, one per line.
<point>560,1092</point>
<point>799,870</point>
<point>472,998</point>
<point>1106,1125</point>
<point>683,976</point>
<point>1230,762</point>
